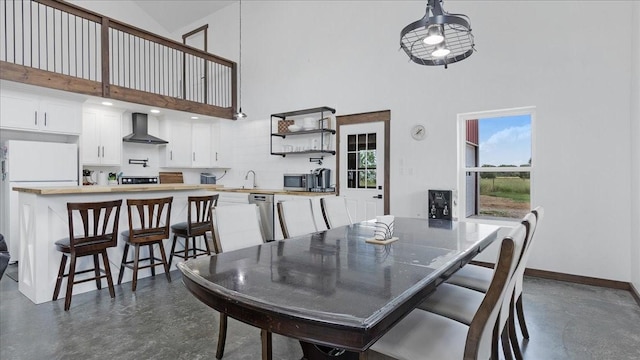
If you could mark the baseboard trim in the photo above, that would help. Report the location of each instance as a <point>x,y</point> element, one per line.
<point>577,279</point>
<point>635,293</point>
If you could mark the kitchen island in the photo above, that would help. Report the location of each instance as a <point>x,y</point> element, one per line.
<point>43,220</point>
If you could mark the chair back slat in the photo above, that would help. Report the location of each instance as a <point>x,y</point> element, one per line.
<point>296,218</point>
<point>481,330</point>
<point>236,227</point>
<point>153,218</point>
<point>99,224</point>
<point>199,213</point>
<point>335,212</point>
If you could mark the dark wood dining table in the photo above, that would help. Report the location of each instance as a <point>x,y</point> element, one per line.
<point>332,290</point>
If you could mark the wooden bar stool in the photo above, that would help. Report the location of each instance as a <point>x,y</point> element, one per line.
<point>198,224</point>
<point>153,215</point>
<point>99,232</point>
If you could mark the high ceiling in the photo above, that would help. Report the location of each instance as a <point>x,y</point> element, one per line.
<point>173,15</point>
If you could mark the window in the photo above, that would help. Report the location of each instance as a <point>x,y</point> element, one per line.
<point>361,161</point>
<point>496,163</point>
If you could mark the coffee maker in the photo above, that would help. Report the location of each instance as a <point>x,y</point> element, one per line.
<point>321,180</point>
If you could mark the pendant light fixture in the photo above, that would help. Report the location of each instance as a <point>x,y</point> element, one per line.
<point>239,114</point>
<point>439,38</point>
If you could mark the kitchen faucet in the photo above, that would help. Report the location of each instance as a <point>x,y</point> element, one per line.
<point>246,177</point>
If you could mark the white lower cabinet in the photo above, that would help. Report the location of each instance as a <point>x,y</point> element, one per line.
<point>101,137</point>
<point>26,112</point>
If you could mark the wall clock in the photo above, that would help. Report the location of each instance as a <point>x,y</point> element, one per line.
<point>418,132</point>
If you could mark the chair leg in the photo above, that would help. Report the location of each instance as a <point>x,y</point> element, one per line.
<point>523,324</point>
<point>164,261</point>
<point>70,279</point>
<point>136,259</point>
<point>63,264</point>
<point>96,269</point>
<point>107,271</point>
<point>513,338</point>
<point>206,245</point>
<point>186,248</point>
<point>265,338</point>
<point>124,260</point>
<point>152,260</point>
<point>506,348</point>
<point>222,336</point>
<point>173,249</point>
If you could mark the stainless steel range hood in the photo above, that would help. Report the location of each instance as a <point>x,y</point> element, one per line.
<point>140,131</point>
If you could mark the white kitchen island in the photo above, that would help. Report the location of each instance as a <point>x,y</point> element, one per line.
<point>44,220</point>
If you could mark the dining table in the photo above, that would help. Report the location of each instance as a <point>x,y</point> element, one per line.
<point>333,290</point>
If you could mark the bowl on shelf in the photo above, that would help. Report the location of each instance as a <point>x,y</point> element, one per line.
<point>294,128</point>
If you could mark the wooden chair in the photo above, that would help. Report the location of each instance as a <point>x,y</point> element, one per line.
<point>99,231</point>
<point>153,215</point>
<point>296,218</point>
<point>236,227</point>
<point>425,335</point>
<point>478,278</point>
<point>198,224</point>
<point>461,304</point>
<point>335,212</point>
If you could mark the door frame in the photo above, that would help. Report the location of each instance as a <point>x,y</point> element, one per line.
<point>368,117</point>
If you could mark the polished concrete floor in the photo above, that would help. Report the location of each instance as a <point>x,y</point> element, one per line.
<point>163,320</point>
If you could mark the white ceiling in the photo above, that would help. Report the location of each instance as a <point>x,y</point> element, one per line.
<point>174,15</point>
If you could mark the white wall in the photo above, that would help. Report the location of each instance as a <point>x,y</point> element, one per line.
<point>344,54</point>
<point>635,143</point>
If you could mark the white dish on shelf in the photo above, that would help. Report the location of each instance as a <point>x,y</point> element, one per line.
<point>309,128</point>
<point>294,128</point>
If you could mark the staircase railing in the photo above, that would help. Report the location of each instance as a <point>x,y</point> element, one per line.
<point>59,45</point>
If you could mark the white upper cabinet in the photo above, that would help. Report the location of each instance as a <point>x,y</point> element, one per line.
<point>177,153</point>
<point>201,138</point>
<point>21,111</point>
<point>192,144</point>
<point>101,137</point>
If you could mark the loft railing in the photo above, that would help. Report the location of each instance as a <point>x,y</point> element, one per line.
<point>58,45</point>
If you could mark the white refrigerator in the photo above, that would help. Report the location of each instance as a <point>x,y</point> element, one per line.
<point>32,164</point>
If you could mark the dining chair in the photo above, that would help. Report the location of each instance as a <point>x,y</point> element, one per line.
<point>296,218</point>
<point>198,224</point>
<point>236,227</point>
<point>478,277</point>
<point>98,232</point>
<point>425,335</point>
<point>460,303</point>
<point>153,216</point>
<point>335,211</point>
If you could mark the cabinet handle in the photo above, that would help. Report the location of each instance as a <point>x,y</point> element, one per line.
<point>103,151</point>
<point>216,156</point>
<point>98,150</point>
<point>45,119</point>
<point>36,119</point>
<point>194,156</point>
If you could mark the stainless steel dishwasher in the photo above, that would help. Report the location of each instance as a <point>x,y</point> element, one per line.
<point>265,205</point>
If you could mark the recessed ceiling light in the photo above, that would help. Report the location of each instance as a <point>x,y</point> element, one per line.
<point>106,103</point>
<point>154,111</point>
<point>194,117</point>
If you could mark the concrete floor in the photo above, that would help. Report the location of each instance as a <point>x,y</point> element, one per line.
<point>164,321</point>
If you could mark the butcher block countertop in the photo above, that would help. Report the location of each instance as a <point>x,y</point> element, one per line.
<point>97,189</point>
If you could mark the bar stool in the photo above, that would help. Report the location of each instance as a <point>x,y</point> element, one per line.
<point>198,224</point>
<point>153,216</point>
<point>99,232</point>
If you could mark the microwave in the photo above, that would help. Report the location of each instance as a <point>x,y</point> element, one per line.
<point>297,182</point>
